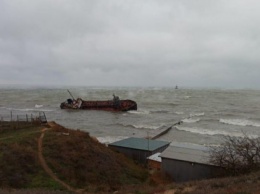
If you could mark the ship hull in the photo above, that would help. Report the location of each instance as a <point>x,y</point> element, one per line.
<point>109,105</point>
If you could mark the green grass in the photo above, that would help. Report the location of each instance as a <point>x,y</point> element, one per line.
<point>12,134</point>
<point>19,166</point>
<point>42,180</point>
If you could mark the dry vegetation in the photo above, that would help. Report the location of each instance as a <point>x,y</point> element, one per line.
<point>243,184</point>
<point>237,155</point>
<point>82,162</point>
<point>19,166</point>
<point>77,159</point>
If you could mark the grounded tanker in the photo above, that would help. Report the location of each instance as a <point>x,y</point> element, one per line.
<point>109,105</point>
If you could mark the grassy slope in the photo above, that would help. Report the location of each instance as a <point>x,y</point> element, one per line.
<point>82,162</point>
<point>19,166</point>
<point>77,159</point>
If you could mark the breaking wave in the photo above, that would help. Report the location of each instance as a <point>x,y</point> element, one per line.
<point>179,113</point>
<point>143,126</point>
<point>240,122</point>
<point>197,114</point>
<point>26,109</point>
<point>142,112</point>
<point>186,97</point>
<point>110,139</point>
<point>160,111</point>
<point>190,120</point>
<point>140,126</point>
<point>38,105</point>
<point>214,132</point>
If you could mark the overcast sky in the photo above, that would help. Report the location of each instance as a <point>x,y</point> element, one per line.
<point>189,43</point>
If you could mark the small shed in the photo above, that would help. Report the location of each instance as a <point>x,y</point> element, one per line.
<point>139,148</point>
<point>186,164</point>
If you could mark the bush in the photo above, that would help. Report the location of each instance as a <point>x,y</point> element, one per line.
<point>237,155</point>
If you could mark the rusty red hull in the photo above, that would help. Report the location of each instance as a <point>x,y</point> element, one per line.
<point>109,105</point>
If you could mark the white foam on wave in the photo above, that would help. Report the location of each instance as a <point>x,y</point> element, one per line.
<point>110,139</point>
<point>217,132</point>
<point>26,109</point>
<point>159,111</point>
<point>143,126</point>
<point>179,113</point>
<point>211,132</point>
<point>32,109</point>
<point>38,105</point>
<point>240,122</point>
<point>187,97</point>
<point>197,114</point>
<point>190,120</point>
<point>144,112</point>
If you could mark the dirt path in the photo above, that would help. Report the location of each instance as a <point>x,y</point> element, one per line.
<point>46,167</point>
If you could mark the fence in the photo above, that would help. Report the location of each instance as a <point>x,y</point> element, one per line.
<point>24,118</point>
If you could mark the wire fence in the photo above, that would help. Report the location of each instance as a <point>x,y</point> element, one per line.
<point>41,117</point>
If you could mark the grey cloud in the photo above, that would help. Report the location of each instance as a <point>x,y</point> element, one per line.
<point>202,43</point>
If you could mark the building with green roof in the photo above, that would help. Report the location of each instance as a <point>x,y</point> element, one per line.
<point>139,148</point>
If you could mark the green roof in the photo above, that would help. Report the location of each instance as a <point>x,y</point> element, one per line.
<point>140,143</point>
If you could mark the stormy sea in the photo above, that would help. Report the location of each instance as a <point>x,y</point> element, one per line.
<point>206,115</point>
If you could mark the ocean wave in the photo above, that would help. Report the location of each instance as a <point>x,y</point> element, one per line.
<point>190,120</point>
<point>38,105</point>
<point>159,111</point>
<point>143,126</point>
<point>33,110</point>
<point>197,114</point>
<point>26,109</point>
<point>190,145</point>
<point>110,139</point>
<point>140,126</point>
<point>179,113</point>
<point>240,122</point>
<point>173,104</point>
<point>214,132</point>
<point>186,97</point>
<point>143,112</point>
